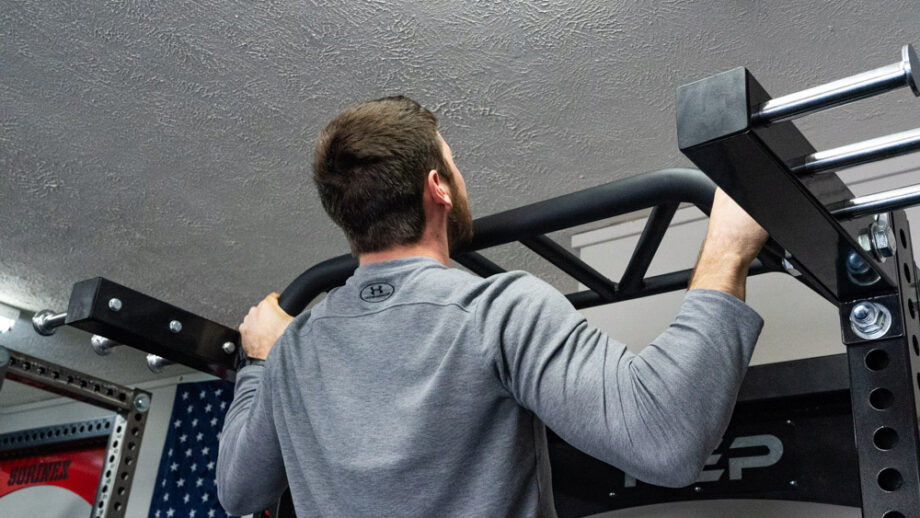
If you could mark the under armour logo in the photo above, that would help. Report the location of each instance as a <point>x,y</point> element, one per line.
<point>377,292</point>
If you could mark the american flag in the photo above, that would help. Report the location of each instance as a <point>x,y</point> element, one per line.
<point>186,484</point>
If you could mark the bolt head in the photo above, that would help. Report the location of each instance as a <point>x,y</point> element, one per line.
<point>697,489</point>
<point>142,402</point>
<point>856,264</point>
<point>863,313</point>
<point>612,495</point>
<point>115,304</point>
<point>229,347</point>
<point>175,326</point>
<point>870,320</point>
<point>793,483</point>
<point>99,344</point>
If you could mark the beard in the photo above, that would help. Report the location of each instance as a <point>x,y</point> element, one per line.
<point>459,222</point>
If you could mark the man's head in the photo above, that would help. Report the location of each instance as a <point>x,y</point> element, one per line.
<point>371,167</point>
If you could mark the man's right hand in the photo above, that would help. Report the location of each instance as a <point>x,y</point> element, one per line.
<point>733,241</point>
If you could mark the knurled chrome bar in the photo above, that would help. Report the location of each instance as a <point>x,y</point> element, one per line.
<point>904,73</point>
<point>479,264</point>
<point>655,228</point>
<point>571,264</point>
<point>877,203</point>
<point>852,155</point>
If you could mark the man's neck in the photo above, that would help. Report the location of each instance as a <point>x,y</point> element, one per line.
<point>437,253</point>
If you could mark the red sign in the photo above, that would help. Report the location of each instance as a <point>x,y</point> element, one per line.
<point>75,470</point>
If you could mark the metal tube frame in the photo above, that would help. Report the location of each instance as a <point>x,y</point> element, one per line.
<point>129,404</point>
<point>829,236</point>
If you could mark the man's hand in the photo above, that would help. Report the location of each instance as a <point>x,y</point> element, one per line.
<point>733,241</point>
<point>263,326</point>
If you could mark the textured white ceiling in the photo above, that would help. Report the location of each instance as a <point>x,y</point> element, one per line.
<point>166,145</point>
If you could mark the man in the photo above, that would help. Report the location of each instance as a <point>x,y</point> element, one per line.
<point>420,390</point>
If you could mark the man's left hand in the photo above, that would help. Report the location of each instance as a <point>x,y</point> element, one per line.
<point>263,326</point>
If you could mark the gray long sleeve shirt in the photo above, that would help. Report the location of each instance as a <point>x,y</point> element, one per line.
<point>421,390</point>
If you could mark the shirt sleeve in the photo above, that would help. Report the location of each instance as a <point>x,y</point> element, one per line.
<point>250,471</point>
<point>656,415</point>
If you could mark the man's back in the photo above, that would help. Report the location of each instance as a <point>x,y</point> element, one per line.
<point>390,403</point>
<point>420,390</point>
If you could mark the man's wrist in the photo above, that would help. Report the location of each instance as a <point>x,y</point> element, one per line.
<point>721,269</point>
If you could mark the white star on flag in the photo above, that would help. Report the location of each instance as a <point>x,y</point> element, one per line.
<point>182,466</point>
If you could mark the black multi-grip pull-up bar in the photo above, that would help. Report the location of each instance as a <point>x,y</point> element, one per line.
<point>851,250</point>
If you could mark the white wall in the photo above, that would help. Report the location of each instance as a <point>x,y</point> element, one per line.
<point>798,324</point>
<point>65,410</point>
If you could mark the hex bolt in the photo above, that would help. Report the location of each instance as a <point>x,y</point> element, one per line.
<point>228,347</point>
<point>870,320</point>
<point>175,326</point>
<point>612,495</point>
<point>883,240</point>
<point>793,483</point>
<point>697,489</point>
<point>142,402</point>
<point>115,304</point>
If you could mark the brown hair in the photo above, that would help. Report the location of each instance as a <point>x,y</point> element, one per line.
<point>370,167</point>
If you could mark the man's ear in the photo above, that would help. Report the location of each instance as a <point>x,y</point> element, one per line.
<point>438,190</point>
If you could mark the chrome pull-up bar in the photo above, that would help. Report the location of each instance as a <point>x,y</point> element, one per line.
<point>877,203</point>
<point>860,153</point>
<point>874,82</point>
